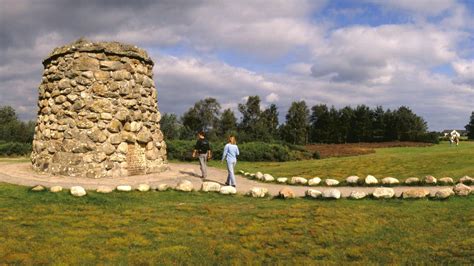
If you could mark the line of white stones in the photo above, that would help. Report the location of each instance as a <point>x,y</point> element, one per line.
<point>370,180</point>
<point>285,193</point>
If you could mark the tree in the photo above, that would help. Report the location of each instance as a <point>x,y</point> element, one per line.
<point>346,115</point>
<point>169,126</point>
<point>203,116</point>
<point>269,119</point>
<point>390,131</point>
<point>470,127</point>
<point>14,130</point>
<point>296,127</point>
<point>319,121</point>
<point>378,124</point>
<point>250,112</point>
<point>228,123</point>
<point>7,114</point>
<point>361,125</point>
<point>409,125</point>
<point>252,126</point>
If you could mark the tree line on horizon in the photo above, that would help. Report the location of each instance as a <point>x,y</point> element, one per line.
<point>303,124</point>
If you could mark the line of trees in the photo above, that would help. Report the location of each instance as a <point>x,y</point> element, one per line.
<point>303,125</point>
<point>14,130</point>
<point>16,136</point>
<point>470,127</point>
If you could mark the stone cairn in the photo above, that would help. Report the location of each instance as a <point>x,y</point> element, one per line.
<point>98,114</point>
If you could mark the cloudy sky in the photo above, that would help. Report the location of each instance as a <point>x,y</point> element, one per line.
<point>418,53</point>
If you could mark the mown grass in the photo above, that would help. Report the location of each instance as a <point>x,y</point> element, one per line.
<point>209,229</point>
<point>438,160</point>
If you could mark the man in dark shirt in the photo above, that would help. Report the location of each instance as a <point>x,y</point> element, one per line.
<point>202,150</point>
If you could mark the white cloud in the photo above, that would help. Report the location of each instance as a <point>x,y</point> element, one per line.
<point>465,71</point>
<point>183,81</point>
<point>299,68</point>
<point>387,64</point>
<point>272,97</point>
<point>372,55</point>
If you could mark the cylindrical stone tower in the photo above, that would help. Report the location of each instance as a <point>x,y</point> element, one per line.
<point>98,114</point>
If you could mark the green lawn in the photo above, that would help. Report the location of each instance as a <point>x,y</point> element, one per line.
<point>438,160</point>
<point>209,229</point>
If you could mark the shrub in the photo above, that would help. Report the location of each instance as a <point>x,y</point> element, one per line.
<point>250,151</point>
<point>431,137</point>
<point>316,155</point>
<point>180,149</point>
<point>14,148</point>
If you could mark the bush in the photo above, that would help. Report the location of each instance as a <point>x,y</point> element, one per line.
<point>180,149</point>
<point>261,151</point>
<point>316,155</point>
<point>250,151</point>
<point>431,137</point>
<point>14,148</point>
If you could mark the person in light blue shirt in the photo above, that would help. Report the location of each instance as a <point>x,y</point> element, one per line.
<point>231,151</point>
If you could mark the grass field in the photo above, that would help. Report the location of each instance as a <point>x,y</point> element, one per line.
<point>438,160</point>
<point>210,229</point>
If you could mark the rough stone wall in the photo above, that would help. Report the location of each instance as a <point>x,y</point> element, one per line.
<point>98,114</point>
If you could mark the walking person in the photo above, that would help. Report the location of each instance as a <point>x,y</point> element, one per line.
<point>202,150</point>
<point>231,151</point>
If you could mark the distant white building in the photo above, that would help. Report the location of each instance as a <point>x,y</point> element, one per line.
<point>461,132</point>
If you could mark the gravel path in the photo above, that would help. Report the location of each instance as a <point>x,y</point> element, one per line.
<point>23,174</point>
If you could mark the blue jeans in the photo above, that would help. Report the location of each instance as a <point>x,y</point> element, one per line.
<point>230,176</point>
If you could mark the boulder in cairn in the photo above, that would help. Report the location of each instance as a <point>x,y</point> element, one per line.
<point>124,188</point>
<point>331,182</point>
<point>357,195</point>
<point>444,193</point>
<point>162,187</point>
<point>228,190</point>
<point>462,190</point>
<point>104,189</point>
<point>282,180</point>
<point>184,185</point>
<point>268,178</point>
<point>209,186</point>
<point>371,180</point>
<point>259,176</point>
<point>56,189</point>
<point>298,180</point>
<point>286,193</point>
<point>390,181</point>
<point>314,181</point>
<point>352,180</point>
<point>78,191</point>
<point>466,180</point>
<point>258,192</point>
<point>38,188</point>
<point>412,181</point>
<point>383,193</point>
<point>429,179</point>
<point>446,181</point>
<point>332,194</point>
<point>143,187</point>
<point>415,193</point>
<point>313,193</point>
